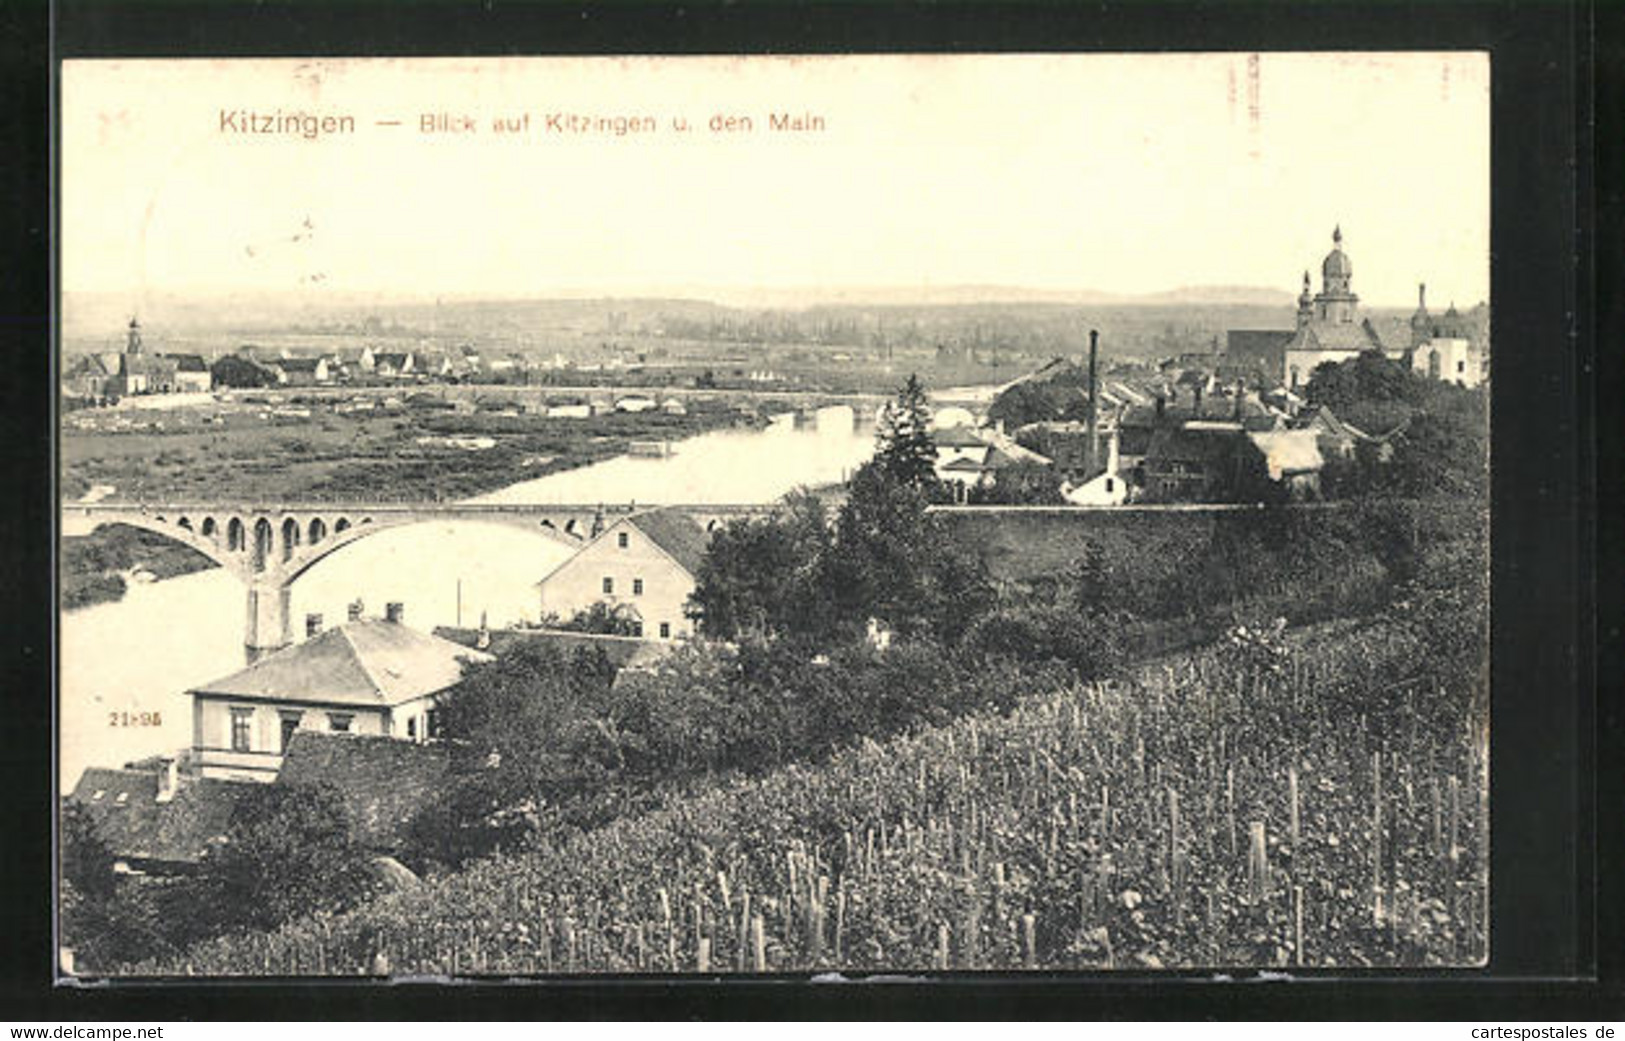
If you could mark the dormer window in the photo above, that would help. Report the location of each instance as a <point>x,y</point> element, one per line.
<point>621,540</point>
<point>99,793</point>
<point>123,797</point>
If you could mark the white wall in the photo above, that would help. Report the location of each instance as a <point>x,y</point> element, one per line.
<point>579,583</point>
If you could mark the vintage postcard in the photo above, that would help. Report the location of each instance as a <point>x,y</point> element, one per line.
<point>799,515</point>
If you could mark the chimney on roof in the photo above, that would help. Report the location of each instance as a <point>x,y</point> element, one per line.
<point>1162,406</point>
<point>313,625</point>
<point>395,611</point>
<point>169,776</point>
<point>1197,405</point>
<point>356,607</point>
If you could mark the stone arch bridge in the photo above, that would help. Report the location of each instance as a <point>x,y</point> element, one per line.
<point>268,546</point>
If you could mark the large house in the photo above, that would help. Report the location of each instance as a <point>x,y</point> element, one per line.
<point>643,565</point>
<point>369,676</point>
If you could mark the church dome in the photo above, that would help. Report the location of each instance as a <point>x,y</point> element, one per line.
<point>1337,265</point>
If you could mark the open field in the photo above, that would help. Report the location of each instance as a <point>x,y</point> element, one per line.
<point>1325,810</point>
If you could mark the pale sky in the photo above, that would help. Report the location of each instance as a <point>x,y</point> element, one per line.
<point>1128,174</point>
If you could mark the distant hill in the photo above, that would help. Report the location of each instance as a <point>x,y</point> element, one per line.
<point>96,314</point>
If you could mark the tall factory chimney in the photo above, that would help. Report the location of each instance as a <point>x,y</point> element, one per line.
<point>1091,446</point>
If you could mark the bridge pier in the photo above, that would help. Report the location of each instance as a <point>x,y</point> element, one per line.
<point>269,624</point>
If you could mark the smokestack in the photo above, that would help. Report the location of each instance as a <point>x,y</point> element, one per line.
<point>313,625</point>
<point>1421,296</point>
<point>1238,401</point>
<point>356,607</point>
<point>1091,447</point>
<point>395,611</point>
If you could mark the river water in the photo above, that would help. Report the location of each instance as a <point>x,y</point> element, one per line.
<point>141,654</point>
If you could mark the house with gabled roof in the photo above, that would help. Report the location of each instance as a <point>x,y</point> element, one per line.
<point>156,819</point>
<point>369,676</point>
<point>644,565</point>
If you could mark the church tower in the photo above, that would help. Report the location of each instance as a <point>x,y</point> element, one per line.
<point>1336,302</point>
<point>1306,304</point>
<point>133,338</point>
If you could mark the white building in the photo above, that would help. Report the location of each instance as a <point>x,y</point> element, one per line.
<point>644,565</point>
<point>1450,359</point>
<point>369,676</point>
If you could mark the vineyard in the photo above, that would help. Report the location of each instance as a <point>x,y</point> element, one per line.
<point>1318,803</point>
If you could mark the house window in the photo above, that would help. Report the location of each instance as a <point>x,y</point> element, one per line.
<point>609,585</point>
<point>1461,366</point>
<point>665,630</point>
<point>1108,486</point>
<point>621,540</point>
<point>290,723</point>
<point>637,628</point>
<point>432,723</point>
<point>637,587</point>
<point>412,728</point>
<point>340,722</point>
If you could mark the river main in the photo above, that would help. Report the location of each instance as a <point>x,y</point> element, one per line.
<point>141,654</point>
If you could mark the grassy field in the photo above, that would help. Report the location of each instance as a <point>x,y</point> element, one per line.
<point>1326,809</point>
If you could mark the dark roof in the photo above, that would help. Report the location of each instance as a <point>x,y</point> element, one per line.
<point>674,532</point>
<point>1258,344</point>
<point>367,663</point>
<point>383,781</point>
<point>1336,336</point>
<point>391,358</point>
<point>957,437</point>
<point>87,365</point>
<point>140,828</point>
<point>297,364</point>
<point>623,652</point>
<point>188,362</point>
<point>1193,445</point>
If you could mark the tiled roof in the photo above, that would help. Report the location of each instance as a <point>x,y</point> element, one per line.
<point>674,532</point>
<point>1336,336</point>
<point>297,364</point>
<point>383,781</point>
<point>368,662</point>
<point>138,827</point>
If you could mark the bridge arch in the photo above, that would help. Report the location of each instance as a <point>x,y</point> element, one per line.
<point>317,531</point>
<point>290,538</point>
<point>264,543</point>
<point>208,529</point>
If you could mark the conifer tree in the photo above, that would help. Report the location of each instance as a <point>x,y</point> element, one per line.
<point>905,451</point>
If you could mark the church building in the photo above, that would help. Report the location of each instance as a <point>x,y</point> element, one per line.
<point>1329,328</point>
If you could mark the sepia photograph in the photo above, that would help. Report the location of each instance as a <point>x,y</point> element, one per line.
<point>796,516</point>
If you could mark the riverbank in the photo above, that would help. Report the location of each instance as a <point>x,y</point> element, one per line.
<point>217,452</point>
